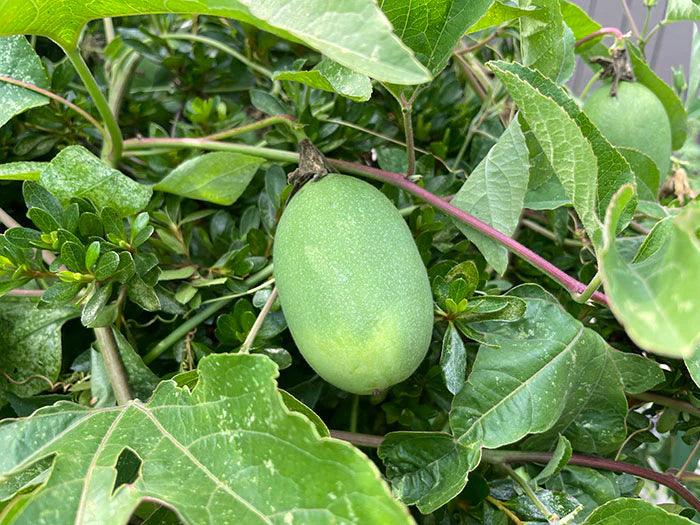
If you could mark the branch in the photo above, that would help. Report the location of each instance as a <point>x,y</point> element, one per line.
<point>407,113</point>
<point>113,364</point>
<point>516,456</point>
<point>53,96</point>
<point>601,32</point>
<point>630,18</point>
<point>250,338</point>
<point>395,179</point>
<point>21,292</point>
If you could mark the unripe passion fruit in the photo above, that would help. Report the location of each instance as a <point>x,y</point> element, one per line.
<point>352,285</point>
<point>635,118</point>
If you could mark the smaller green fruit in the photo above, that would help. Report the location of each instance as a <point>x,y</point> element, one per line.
<point>635,118</point>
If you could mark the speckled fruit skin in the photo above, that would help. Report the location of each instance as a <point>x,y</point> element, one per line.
<point>635,118</point>
<point>352,285</point>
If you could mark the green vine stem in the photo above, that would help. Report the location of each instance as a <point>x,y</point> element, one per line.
<point>395,179</point>
<point>287,120</point>
<point>221,47</point>
<point>407,113</point>
<point>113,364</point>
<point>516,456</point>
<point>585,295</point>
<point>182,330</point>
<point>112,148</point>
<point>527,489</point>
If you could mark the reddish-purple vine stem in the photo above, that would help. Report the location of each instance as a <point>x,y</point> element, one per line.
<point>601,32</point>
<point>21,292</point>
<point>581,460</point>
<point>397,179</point>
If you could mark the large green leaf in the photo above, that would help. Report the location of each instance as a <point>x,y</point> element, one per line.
<point>219,177</point>
<point>529,376</point>
<point>75,172</point>
<point>594,415</point>
<point>546,41</point>
<point>30,345</point>
<point>353,33</point>
<point>331,76</point>
<point>433,28</point>
<point>19,61</point>
<point>495,192</point>
<point>613,168</point>
<point>656,297</point>
<point>638,373</point>
<point>623,511</point>
<point>570,154</point>
<point>551,370</point>
<point>427,469</point>
<point>682,10</point>
<point>228,451</point>
<point>673,105</point>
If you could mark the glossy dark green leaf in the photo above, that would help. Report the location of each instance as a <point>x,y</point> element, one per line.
<point>219,177</point>
<point>94,307</point>
<point>453,360</point>
<point>73,256</point>
<point>43,220</point>
<point>143,295</point>
<point>427,468</point>
<point>106,266</point>
<point>36,196</point>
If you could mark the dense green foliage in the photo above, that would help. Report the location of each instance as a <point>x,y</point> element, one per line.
<point>499,324</point>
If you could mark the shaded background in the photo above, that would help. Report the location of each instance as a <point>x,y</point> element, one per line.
<point>670,47</point>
